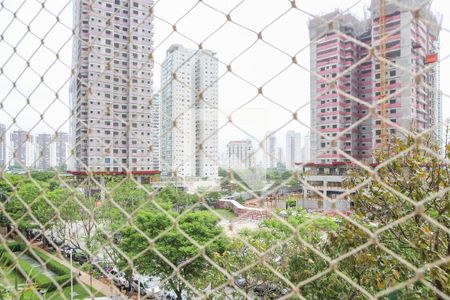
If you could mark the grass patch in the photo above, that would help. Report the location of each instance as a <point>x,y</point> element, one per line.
<point>225,213</point>
<point>34,273</point>
<point>80,292</point>
<point>50,263</point>
<point>8,277</point>
<point>9,263</point>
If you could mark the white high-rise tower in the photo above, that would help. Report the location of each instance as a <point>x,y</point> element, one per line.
<point>189,117</point>
<point>3,158</point>
<point>293,150</point>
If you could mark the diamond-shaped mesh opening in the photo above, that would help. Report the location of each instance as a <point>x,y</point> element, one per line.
<point>224,149</point>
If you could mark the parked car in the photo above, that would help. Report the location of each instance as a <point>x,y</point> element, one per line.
<point>171,295</point>
<point>78,255</point>
<point>240,282</point>
<point>261,289</point>
<point>47,243</point>
<point>117,238</point>
<point>272,289</point>
<point>65,250</point>
<point>107,268</point>
<point>118,278</point>
<point>99,264</point>
<point>146,287</point>
<point>34,234</point>
<point>57,241</point>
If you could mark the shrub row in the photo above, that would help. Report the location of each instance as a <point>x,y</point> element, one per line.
<point>14,247</point>
<point>27,270</point>
<point>51,264</point>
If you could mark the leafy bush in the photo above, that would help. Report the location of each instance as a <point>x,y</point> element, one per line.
<point>15,246</point>
<point>28,271</point>
<point>240,199</point>
<point>291,202</point>
<point>5,257</point>
<point>51,264</point>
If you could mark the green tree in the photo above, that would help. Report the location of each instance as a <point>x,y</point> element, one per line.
<point>201,226</point>
<point>177,199</point>
<point>413,177</point>
<point>43,176</point>
<point>212,197</point>
<point>128,195</point>
<point>222,172</point>
<point>19,200</point>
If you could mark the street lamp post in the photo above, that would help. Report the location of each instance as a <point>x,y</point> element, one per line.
<point>139,288</point>
<point>91,271</point>
<point>71,276</point>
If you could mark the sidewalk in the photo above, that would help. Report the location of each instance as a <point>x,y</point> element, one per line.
<point>108,290</point>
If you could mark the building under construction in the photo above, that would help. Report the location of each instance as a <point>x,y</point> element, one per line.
<point>390,61</point>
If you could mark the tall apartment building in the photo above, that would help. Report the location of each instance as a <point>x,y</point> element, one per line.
<point>189,117</point>
<point>155,125</point>
<point>409,44</point>
<point>112,85</point>
<point>42,151</point>
<point>22,149</point>
<point>59,151</point>
<point>334,50</point>
<point>305,156</point>
<point>440,121</point>
<point>240,154</point>
<point>3,158</point>
<point>280,163</point>
<point>293,148</point>
<point>270,150</point>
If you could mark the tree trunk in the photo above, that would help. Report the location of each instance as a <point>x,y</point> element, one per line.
<point>179,293</point>
<point>129,288</point>
<point>438,285</point>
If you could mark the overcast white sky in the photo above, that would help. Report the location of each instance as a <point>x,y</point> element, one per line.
<point>288,91</point>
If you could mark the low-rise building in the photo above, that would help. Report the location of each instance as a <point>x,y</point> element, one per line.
<point>324,182</point>
<point>240,154</point>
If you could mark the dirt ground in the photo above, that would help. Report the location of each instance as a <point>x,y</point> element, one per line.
<point>234,226</point>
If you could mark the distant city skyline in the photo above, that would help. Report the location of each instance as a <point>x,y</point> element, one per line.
<point>289,90</point>
<point>43,151</point>
<point>281,142</point>
<point>270,110</point>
